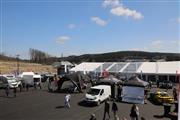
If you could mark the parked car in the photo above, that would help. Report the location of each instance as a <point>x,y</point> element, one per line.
<point>166,84</point>
<point>3,82</point>
<point>11,81</point>
<point>162,97</point>
<point>98,94</point>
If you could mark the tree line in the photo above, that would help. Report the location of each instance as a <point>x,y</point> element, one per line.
<point>38,56</point>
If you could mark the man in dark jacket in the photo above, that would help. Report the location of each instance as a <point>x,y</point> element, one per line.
<point>7,90</point>
<point>114,108</point>
<point>106,109</point>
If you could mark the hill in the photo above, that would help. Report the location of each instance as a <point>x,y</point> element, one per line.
<point>7,67</point>
<point>123,56</point>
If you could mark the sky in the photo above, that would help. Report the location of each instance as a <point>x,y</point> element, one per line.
<point>75,27</point>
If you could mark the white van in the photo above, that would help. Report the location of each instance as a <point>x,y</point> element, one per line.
<point>98,94</point>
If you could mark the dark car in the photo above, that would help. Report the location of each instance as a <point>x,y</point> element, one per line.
<point>166,85</point>
<point>3,82</point>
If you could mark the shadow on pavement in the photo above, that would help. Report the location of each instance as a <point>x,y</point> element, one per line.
<point>85,104</point>
<point>59,107</point>
<point>159,116</point>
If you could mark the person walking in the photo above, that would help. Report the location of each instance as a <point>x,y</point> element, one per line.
<point>14,91</point>
<point>106,109</point>
<point>92,117</point>
<point>7,90</point>
<point>134,112</point>
<point>114,108</point>
<point>119,89</point>
<point>67,100</point>
<point>175,94</point>
<point>27,87</point>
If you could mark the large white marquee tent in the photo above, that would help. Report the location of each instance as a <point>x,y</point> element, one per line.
<point>166,69</point>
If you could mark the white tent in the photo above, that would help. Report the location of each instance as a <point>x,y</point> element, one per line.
<point>131,67</point>
<point>86,67</point>
<point>133,91</point>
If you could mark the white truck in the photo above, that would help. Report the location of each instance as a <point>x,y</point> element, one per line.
<point>98,94</point>
<point>31,79</point>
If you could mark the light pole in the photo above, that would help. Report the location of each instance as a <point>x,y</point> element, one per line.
<point>17,58</point>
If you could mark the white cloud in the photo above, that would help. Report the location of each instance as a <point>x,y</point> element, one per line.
<point>111,3</point>
<point>122,11</point>
<point>118,9</point>
<point>99,21</point>
<point>72,26</point>
<point>62,39</point>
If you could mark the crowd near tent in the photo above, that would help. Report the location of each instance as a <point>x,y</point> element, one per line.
<point>133,90</point>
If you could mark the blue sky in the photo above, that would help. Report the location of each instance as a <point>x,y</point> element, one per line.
<point>75,27</point>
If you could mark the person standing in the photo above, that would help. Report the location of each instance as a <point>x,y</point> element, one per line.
<point>7,90</point>
<point>14,91</point>
<point>27,87</point>
<point>106,109</point>
<point>67,100</point>
<point>119,89</point>
<point>134,112</point>
<point>114,108</point>
<point>175,94</point>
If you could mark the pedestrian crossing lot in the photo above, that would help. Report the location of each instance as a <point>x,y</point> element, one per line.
<point>43,105</point>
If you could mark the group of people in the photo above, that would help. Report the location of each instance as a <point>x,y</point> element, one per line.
<point>107,109</point>
<point>134,112</point>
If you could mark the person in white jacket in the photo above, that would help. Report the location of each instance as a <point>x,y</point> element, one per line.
<point>67,100</point>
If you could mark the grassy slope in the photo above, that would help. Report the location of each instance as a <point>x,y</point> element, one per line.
<point>11,66</point>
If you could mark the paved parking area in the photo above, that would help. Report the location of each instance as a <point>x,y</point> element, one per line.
<point>43,105</point>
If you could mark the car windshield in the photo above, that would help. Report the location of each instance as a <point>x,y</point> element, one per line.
<point>93,91</point>
<point>10,76</point>
<point>11,80</point>
<point>164,94</point>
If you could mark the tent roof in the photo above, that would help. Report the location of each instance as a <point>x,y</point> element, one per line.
<point>160,67</point>
<point>59,64</point>
<point>135,81</point>
<point>130,67</point>
<point>86,66</point>
<point>110,80</point>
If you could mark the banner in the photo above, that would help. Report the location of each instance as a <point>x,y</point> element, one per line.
<point>133,94</point>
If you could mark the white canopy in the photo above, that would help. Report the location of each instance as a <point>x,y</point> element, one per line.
<point>130,67</point>
<point>86,67</point>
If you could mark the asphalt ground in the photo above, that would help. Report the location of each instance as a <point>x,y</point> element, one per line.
<point>43,105</point>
